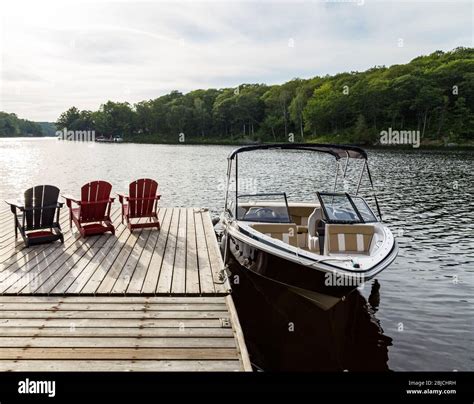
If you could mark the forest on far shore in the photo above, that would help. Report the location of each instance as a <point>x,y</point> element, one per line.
<point>12,126</point>
<point>433,94</point>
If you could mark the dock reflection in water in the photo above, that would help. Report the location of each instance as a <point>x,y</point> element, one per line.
<point>287,332</point>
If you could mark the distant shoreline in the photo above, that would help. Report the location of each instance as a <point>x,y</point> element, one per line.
<point>433,145</point>
<point>430,144</point>
<point>378,147</point>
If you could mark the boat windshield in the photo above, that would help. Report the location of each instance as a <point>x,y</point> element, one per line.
<point>268,208</point>
<point>341,208</point>
<point>364,209</point>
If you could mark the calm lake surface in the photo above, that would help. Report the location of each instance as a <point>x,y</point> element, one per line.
<point>417,315</point>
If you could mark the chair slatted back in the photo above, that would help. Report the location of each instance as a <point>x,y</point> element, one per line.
<point>95,191</point>
<point>44,197</point>
<point>142,193</point>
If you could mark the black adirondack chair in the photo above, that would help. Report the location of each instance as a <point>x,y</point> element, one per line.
<point>37,217</point>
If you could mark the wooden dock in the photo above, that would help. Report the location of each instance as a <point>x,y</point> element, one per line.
<point>146,300</point>
<point>182,259</point>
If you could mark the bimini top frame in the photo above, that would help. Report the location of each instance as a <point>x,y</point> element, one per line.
<point>338,151</point>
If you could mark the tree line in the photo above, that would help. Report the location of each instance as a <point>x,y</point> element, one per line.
<point>11,126</point>
<point>433,94</point>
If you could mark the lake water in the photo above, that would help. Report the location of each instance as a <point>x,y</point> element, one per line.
<point>417,315</point>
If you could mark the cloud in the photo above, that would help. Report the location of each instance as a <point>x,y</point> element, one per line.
<point>56,54</point>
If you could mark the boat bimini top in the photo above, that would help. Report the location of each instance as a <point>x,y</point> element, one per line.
<point>338,151</point>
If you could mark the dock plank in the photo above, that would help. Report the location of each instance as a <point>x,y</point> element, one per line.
<point>94,264</point>
<point>97,332</point>
<point>222,285</point>
<point>33,299</point>
<point>192,269</point>
<point>76,270</point>
<point>138,277</point>
<point>178,285</point>
<point>115,314</point>
<point>166,274</point>
<point>118,267</point>
<point>78,260</point>
<point>118,353</point>
<point>105,265</point>
<point>98,322</point>
<point>117,366</point>
<point>88,333</point>
<point>19,256</point>
<point>52,274</point>
<point>205,271</point>
<point>73,341</point>
<point>143,307</point>
<point>29,277</point>
<point>122,282</point>
<point>152,275</point>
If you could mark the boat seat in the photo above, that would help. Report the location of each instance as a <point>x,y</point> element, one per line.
<point>300,214</point>
<point>353,238</point>
<point>313,239</point>
<point>286,232</point>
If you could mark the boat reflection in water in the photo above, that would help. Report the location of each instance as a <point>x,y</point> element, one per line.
<point>285,331</point>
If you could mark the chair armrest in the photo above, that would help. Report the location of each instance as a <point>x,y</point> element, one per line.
<point>122,198</point>
<point>15,204</point>
<point>158,197</point>
<point>70,199</point>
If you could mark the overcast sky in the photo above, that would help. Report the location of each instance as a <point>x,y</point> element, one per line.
<point>56,54</point>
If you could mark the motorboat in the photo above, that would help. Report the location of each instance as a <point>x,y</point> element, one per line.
<point>328,245</point>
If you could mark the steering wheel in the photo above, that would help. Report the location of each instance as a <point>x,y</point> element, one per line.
<point>265,212</point>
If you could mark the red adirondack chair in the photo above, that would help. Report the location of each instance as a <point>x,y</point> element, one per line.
<point>92,216</point>
<point>141,203</point>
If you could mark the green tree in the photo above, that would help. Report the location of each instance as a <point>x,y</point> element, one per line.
<point>115,119</point>
<point>296,109</point>
<point>68,119</point>
<point>361,130</point>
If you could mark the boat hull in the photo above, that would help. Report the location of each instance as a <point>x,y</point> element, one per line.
<point>297,277</point>
<point>308,278</point>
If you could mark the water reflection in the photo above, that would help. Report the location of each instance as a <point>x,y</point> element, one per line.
<point>286,332</point>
